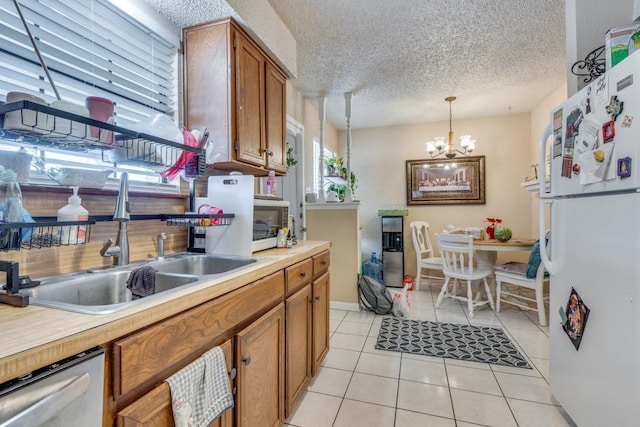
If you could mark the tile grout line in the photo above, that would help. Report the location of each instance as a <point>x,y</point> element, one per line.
<point>493,369</point>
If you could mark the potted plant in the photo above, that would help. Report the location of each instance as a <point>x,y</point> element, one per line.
<point>334,167</point>
<point>291,161</point>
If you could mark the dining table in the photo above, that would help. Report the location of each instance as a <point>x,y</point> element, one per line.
<point>487,249</point>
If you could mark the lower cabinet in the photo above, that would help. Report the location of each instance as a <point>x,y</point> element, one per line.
<point>320,340</point>
<point>274,333</point>
<point>154,408</point>
<point>260,365</point>
<point>298,345</point>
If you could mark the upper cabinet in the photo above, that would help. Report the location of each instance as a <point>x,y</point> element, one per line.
<point>233,88</point>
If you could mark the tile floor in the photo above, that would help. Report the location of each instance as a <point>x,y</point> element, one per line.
<point>360,386</point>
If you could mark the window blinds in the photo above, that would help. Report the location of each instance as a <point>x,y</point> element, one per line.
<point>316,163</point>
<point>91,49</point>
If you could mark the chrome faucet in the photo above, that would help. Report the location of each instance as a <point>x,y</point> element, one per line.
<point>161,238</point>
<point>120,252</point>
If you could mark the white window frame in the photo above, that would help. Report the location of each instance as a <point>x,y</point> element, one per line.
<point>317,170</point>
<point>26,75</point>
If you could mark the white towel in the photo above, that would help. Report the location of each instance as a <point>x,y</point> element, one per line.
<point>200,392</point>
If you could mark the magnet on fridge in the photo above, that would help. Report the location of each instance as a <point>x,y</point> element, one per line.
<point>626,121</point>
<point>598,155</point>
<point>608,131</point>
<point>576,168</point>
<point>614,108</point>
<point>624,167</point>
<point>563,315</point>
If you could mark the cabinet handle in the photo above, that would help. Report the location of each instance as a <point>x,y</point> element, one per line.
<point>246,360</point>
<point>303,274</point>
<point>324,263</point>
<point>232,374</point>
<point>316,299</point>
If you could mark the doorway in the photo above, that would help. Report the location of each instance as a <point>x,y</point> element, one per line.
<point>293,182</point>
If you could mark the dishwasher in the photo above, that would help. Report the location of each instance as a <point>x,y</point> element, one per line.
<point>66,393</point>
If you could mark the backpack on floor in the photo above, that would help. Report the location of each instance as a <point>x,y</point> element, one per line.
<point>374,296</point>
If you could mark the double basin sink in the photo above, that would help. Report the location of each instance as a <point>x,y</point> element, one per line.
<point>105,291</point>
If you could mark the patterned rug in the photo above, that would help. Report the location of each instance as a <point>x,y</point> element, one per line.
<point>450,340</point>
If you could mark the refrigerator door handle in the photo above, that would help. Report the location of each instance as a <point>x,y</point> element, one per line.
<point>544,253</point>
<point>542,228</point>
<point>546,133</point>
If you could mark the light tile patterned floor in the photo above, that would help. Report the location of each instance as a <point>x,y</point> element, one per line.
<point>361,386</point>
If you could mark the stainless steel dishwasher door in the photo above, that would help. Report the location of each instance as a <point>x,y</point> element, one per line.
<point>68,393</point>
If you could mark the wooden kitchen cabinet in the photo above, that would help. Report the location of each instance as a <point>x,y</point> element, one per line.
<point>268,330</point>
<point>235,90</point>
<point>260,367</point>
<point>320,311</point>
<point>321,263</point>
<point>298,345</point>
<point>276,118</point>
<point>150,355</point>
<point>154,408</point>
<point>297,275</point>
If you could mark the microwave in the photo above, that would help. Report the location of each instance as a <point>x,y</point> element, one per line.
<point>253,229</point>
<point>268,217</point>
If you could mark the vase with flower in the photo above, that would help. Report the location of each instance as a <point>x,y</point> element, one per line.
<point>491,228</point>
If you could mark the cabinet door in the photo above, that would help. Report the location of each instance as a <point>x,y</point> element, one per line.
<point>260,364</point>
<point>250,116</point>
<point>320,345</point>
<point>276,112</point>
<point>298,345</point>
<point>154,408</point>
<point>206,82</point>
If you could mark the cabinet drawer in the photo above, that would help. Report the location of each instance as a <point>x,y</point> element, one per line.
<point>160,350</point>
<point>321,263</point>
<point>154,408</point>
<point>298,274</point>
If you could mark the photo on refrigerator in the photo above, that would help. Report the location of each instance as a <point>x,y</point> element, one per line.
<point>577,314</point>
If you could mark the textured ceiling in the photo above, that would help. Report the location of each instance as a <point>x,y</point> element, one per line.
<point>402,58</point>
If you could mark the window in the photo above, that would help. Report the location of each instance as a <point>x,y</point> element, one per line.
<point>91,48</point>
<point>316,163</point>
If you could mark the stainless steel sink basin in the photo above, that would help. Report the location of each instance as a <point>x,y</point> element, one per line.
<point>105,291</point>
<point>201,265</point>
<point>97,293</point>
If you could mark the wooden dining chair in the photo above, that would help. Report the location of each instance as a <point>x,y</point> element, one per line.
<point>456,251</point>
<point>426,261</point>
<point>531,275</point>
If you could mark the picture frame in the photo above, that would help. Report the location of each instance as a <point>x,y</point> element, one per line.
<point>576,316</point>
<point>456,181</point>
<point>624,167</point>
<point>608,131</point>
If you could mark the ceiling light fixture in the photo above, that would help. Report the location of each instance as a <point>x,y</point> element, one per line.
<point>438,146</point>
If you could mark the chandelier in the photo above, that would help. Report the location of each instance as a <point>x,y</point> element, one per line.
<point>438,146</point>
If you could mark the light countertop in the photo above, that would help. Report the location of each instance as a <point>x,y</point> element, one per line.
<point>32,337</point>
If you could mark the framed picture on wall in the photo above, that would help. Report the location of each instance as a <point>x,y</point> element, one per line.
<point>457,181</point>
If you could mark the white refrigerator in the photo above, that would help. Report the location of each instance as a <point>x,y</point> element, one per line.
<point>594,260</point>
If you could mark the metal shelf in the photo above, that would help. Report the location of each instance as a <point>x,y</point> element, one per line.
<point>43,233</point>
<point>199,220</point>
<point>47,232</point>
<point>29,123</point>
